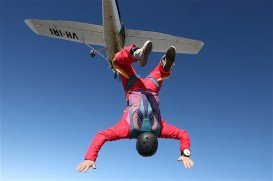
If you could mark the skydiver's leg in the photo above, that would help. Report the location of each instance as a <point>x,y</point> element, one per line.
<point>123,64</point>
<point>123,60</point>
<point>162,71</point>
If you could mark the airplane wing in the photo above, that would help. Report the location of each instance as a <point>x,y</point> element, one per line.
<point>161,41</point>
<point>68,30</point>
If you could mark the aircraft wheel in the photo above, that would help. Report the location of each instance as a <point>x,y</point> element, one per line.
<point>92,53</point>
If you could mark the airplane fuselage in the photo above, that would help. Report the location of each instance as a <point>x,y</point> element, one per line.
<point>113,29</point>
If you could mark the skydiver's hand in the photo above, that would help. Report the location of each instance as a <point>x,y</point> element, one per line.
<point>85,165</point>
<point>188,163</point>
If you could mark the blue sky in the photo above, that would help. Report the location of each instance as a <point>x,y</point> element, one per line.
<point>54,97</point>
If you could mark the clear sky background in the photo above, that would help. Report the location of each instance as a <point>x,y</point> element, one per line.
<point>54,97</point>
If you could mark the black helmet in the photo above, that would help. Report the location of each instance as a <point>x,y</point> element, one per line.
<point>146,144</point>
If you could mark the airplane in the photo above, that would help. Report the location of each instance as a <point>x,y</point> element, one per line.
<point>113,35</point>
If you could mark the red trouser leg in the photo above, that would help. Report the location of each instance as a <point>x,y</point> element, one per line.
<point>157,75</point>
<point>123,64</point>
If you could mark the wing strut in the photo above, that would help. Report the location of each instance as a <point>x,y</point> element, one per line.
<point>94,51</point>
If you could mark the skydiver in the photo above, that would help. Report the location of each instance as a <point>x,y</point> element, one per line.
<point>141,118</point>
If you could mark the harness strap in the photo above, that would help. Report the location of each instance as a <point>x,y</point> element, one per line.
<point>119,70</point>
<point>131,81</point>
<point>134,132</point>
<point>154,81</point>
<point>146,110</point>
<point>157,131</point>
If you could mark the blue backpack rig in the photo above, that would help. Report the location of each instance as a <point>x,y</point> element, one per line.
<point>144,113</point>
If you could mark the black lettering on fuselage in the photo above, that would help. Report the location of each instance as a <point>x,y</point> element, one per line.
<point>57,32</point>
<point>51,31</point>
<point>68,34</point>
<point>61,33</point>
<point>75,36</point>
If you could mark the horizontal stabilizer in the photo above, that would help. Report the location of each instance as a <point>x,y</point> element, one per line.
<point>161,41</point>
<point>68,30</point>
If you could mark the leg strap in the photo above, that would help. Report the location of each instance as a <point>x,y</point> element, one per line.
<point>154,81</point>
<point>131,81</point>
<point>119,70</point>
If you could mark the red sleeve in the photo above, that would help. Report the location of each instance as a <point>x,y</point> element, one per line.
<point>120,131</point>
<point>169,131</point>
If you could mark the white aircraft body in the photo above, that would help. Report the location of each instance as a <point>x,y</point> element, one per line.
<point>112,35</point>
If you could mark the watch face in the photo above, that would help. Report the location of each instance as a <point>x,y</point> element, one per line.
<point>187,152</point>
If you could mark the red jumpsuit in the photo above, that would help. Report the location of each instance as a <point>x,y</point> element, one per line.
<point>123,64</point>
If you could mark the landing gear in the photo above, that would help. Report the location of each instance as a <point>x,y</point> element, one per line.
<point>92,53</point>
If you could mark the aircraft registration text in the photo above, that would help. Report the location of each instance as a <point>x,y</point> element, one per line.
<point>67,34</point>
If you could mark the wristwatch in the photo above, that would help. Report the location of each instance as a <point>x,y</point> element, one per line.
<point>186,152</point>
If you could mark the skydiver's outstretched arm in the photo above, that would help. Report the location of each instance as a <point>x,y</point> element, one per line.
<point>171,132</point>
<point>120,131</point>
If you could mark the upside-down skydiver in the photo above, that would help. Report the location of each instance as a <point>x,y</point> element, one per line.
<point>141,118</point>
